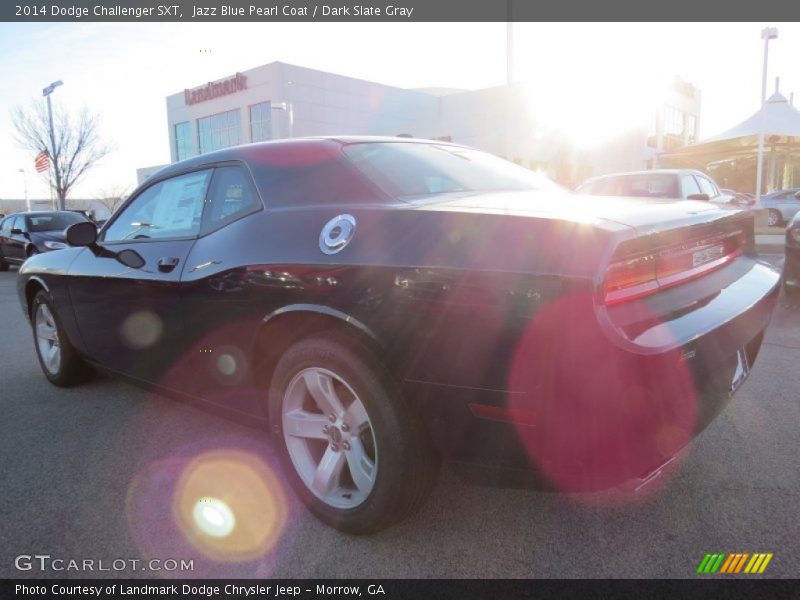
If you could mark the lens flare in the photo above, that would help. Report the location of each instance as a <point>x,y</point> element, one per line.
<point>221,505</point>
<point>607,416</point>
<point>230,506</point>
<point>214,517</point>
<point>141,329</point>
<point>226,364</point>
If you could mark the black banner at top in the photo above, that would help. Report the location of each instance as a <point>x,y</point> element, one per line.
<point>196,11</point>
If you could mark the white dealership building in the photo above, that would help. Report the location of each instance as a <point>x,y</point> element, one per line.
<point>279,100</point>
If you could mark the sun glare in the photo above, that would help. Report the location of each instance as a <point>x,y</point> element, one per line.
<point>601,107</point>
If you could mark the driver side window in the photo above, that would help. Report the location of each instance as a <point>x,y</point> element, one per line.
<point>169,209</point>
<point>707,187</point>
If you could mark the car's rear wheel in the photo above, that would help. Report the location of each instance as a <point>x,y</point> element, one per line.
<point>3,264</point>
<point>773,218</point>
<point>58,358</point>
<point>354,452</point>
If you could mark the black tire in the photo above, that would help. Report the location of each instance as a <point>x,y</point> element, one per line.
<point>774,218</point>
<point>3,265</point>
<point>72,369</point>
<point>406,466</point>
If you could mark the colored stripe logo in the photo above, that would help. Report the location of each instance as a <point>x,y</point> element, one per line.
<point>734,562</point>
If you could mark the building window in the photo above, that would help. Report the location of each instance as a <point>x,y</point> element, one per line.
<point>673,128</point>
<point>183,140</point>
<point>218,131</point>
<point>691,128</point>
<point>261,122</point>
<point>673,121</point>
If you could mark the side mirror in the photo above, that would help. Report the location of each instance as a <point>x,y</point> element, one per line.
<point>81,234</point>
<point>16,231</point>
<point>130,258</point>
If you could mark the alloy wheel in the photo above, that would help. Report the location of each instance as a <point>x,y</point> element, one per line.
<point>329,438</point>
<point>47,341</point>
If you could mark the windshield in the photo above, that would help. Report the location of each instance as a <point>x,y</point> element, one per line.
<point>53,222</point>
<point>405,170</point>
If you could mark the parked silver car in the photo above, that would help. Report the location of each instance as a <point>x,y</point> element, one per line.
<point>688,184</point>
<point>781,206</point>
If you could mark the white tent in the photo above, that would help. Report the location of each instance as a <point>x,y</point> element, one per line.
<point>781,120</point>
<point>781,123</point>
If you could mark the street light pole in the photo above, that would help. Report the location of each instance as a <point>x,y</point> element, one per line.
<point>54,155</point>
<point>289,110</point>
<point>767,34</point>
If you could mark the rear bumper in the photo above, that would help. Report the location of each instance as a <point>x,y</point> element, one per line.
<point>593,413</point>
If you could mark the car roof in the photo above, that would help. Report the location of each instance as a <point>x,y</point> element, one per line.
<point>325,145</point>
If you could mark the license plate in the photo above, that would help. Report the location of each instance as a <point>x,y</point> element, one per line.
<point>742,370</point>
<point>707,254</point>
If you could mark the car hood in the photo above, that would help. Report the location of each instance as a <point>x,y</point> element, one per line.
<point>642,214</point>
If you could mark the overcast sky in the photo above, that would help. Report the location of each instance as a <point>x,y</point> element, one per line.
<point>591,78</point>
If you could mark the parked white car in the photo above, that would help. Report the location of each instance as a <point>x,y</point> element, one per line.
<point>688,184</point>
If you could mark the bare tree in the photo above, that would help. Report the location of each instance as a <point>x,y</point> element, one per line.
<point>111,197</point>
<point>76,144</point>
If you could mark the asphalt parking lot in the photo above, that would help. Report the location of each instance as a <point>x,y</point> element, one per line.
<point>89,473</point>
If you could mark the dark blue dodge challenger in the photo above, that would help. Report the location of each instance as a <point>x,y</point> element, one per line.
<point>383,303</point>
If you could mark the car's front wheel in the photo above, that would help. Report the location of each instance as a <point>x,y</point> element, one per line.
<point>354,452</point>
<point>58,358</point>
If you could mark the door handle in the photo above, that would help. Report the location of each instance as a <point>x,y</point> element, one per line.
<point>167,263</point>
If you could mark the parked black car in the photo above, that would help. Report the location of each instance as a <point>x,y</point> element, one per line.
<point>791,266</point>
<point>24,234</point>
<point>382,303</point>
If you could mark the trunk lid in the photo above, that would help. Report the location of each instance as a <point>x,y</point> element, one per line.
<point>645,215</point>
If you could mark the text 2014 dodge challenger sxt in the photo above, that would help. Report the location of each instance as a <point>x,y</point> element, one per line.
<point>383,302</point>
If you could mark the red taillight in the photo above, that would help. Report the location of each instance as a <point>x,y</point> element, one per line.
<point>643,274</point>
<point>631,278</point>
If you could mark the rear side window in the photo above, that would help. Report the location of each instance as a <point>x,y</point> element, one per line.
<point>230,197</point>
<point>651,186</point>
<point>168,209</point>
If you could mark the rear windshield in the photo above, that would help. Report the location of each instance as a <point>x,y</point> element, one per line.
<point>645,185</point>
<point>53,222</point>
<point>407,170</point>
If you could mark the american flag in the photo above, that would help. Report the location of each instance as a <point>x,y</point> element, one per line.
<point>42,161</point>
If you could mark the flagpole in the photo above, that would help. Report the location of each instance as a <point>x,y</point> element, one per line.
<point>50,181</point>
